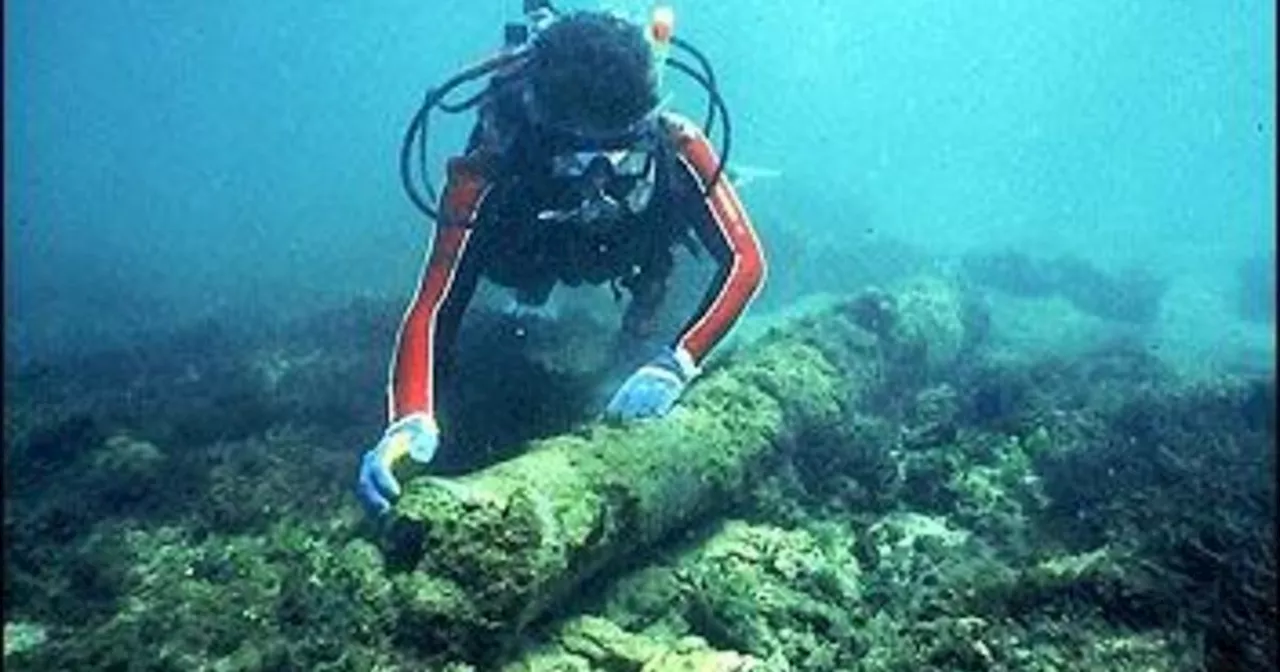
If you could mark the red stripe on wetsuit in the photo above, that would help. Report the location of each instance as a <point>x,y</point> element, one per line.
<point>412,368</point>
<point>412,372</point>
<point>746,262</point>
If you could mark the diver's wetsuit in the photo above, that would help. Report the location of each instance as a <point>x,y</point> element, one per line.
<point>489,226</point>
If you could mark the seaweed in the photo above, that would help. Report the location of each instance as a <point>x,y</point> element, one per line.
<point>867,487</point>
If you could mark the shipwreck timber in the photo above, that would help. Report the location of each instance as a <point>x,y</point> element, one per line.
<point>483,555</point>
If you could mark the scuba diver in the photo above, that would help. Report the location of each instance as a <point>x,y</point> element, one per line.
<point>572,174</point>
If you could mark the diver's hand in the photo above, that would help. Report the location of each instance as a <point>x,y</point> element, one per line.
<point>415,435</point>
<point>653,389</point>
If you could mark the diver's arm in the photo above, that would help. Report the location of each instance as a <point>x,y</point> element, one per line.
<point>723,227</point>
<point>449,278</point>
<point>448,281</point>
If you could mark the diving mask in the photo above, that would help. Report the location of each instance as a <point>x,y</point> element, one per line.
<point>605,183</point>
<point>611,164</point>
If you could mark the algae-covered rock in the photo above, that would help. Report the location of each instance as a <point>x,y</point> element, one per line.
<point>932,315</point>
<point>932,417</point>
<point>1131,295</point>
<point>607,645</point>
<point>776,594</point>
<point>1104,578</point>
<point>21,636</point>
<point>1050,515</point>
<point>999,490</point>
<point>704,661</point>
<point>591,643</point>
<point>649,598</point>
<point>125,469</point>
<point>918,564</point>
<point>291,599</point>
<point>900,533</point>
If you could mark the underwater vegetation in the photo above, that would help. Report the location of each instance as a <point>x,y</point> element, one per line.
<point>1130,296</point>
<point>868,486</point>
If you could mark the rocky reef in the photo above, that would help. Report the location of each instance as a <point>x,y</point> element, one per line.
<point>1132,296</point>
<point>866,487</point>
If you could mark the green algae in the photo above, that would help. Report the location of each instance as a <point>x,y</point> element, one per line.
<point>893,528</point>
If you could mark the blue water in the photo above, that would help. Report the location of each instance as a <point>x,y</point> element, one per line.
<point>166,162</point>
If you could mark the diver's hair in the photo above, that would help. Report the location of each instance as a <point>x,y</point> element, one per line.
<point>592,71</point>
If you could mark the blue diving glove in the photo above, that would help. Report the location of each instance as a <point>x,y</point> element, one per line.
<point>415,435</point>
<point>653,389</point>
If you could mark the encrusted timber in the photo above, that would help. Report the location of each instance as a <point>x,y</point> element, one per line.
<point>490,551</point>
